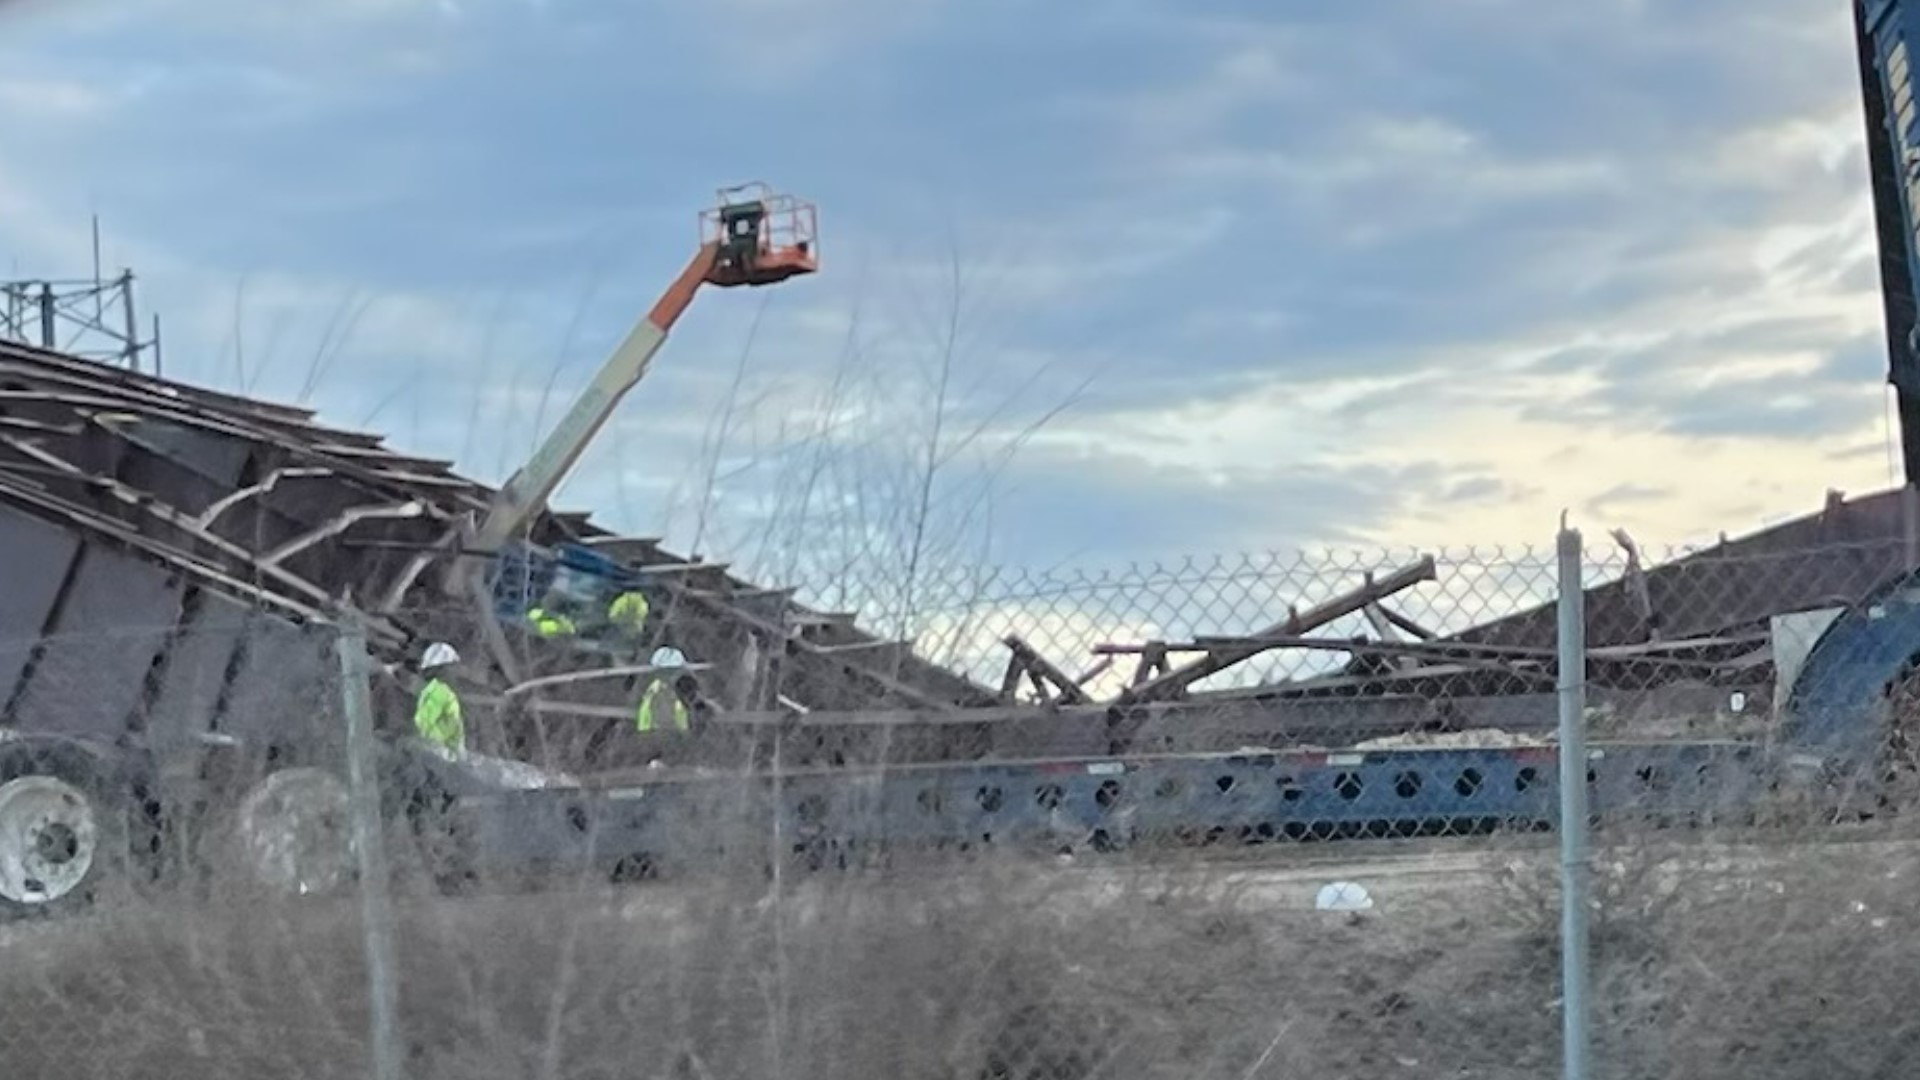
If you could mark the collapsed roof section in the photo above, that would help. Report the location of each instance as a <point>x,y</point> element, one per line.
<point>1834,557</point>
<point>1662,641</point>
<point>273,508</point>
<point>257,503</point>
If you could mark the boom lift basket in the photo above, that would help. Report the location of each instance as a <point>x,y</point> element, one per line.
<point>762,238</point>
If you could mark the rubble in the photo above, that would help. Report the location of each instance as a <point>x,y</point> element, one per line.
<point>1479,738</point>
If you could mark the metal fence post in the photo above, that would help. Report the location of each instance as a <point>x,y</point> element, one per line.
<point>376,910</point>
<point>1572,687</point>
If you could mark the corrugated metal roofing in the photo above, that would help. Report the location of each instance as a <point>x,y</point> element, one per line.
<point>215,484</point>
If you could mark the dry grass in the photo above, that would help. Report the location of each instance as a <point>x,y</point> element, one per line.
<point>1712,961</point>
<point>1718,956</point>
<point>994,974</point>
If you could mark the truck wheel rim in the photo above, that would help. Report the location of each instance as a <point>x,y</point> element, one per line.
<point>49,835</point>
<point>294,832</point>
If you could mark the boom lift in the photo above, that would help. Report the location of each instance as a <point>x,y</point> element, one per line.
<point>752,237</point>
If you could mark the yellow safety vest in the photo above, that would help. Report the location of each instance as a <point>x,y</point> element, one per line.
<point>643,720</point>
<point>628,611</point>
<point>549,623</point>
<point>436,716</point>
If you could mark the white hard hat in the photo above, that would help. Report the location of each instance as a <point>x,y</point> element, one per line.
<point>439,654</point>
<point>667,656</point>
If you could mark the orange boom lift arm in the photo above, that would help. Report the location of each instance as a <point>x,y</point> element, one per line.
<point>752,237</point>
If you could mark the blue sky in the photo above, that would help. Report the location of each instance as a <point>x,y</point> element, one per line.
<point>1195,276</point>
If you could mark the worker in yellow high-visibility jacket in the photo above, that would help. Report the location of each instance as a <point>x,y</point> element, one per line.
<point>436,710</point>
<point>550,624</point>
<point>662,695</point>
<point>628,613</point>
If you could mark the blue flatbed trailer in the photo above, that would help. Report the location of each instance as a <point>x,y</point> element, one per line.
<point>823,816</point>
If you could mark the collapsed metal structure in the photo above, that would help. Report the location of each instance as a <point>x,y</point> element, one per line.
<point>161,518</point>
<point>154,512</point>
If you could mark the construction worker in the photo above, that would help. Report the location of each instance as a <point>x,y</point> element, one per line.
<point>436,711</point>
<point>550,623</point>
<point>663,693</point>
<point>628,613</point>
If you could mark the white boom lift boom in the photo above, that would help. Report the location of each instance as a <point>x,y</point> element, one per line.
<point>752,237</point>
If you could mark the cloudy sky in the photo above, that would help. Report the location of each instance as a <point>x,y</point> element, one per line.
<point>1104,282</point>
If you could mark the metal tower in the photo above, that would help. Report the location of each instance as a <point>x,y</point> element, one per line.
<point>93,318</point>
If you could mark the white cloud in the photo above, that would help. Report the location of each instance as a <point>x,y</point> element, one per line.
<point>1415,172</point>
<point>1034,262</point>
<point>1519,408</point>
<point>769,42</point>
<point>53,98</point>
<point>324,13</point>
<point>1779,154</point>
<point>1659,264</point>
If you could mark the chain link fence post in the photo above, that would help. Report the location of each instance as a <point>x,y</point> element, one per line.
<point>376,909</point>
<point>1572,689</point>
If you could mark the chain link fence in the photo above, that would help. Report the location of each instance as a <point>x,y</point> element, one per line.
<point>1080,619</point>
<point>1263,817</point>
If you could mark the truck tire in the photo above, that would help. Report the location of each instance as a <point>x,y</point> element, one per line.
<point>63,832</point>
<point>291,835</point>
